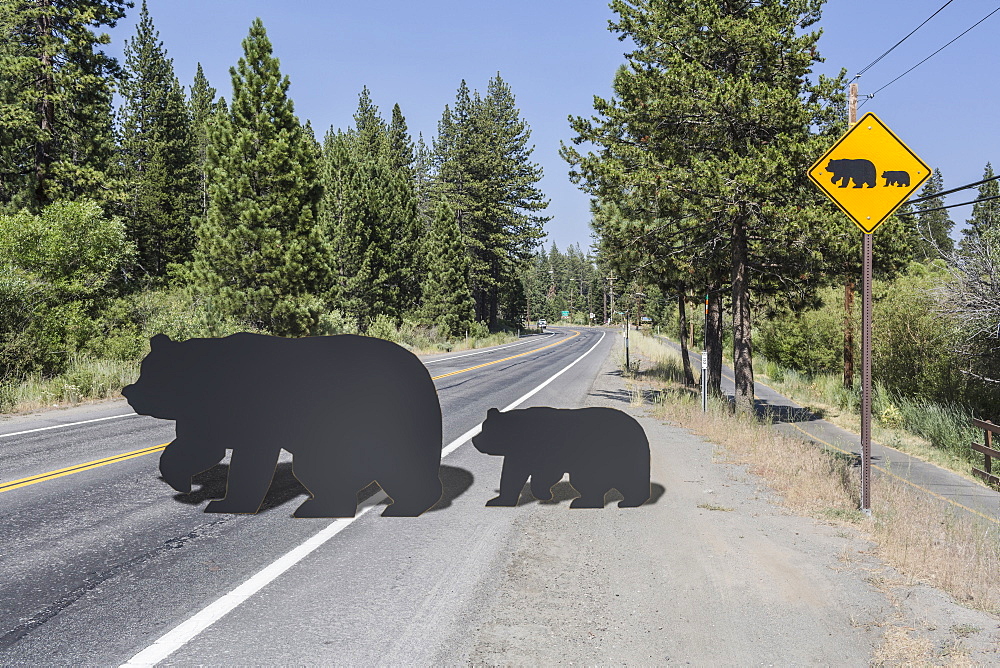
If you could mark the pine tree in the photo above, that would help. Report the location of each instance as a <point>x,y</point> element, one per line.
<point>56,126</point>
<point>447,300</point>
<point>158,163</point>
<point>985,215</point>
<point>341,218</point>
<point>934,226</point>
<point>261,255</point>
<point>423,184</point>
<point>369,212</point>
<point>400,144</point>
<point>202,106</point>
<point>720,173</point>
<point>483,167</point>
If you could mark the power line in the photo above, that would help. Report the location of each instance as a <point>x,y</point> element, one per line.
<point>871,95</point>
<point>872,64</point>
<point>975,201</point>
<point>953,190</point>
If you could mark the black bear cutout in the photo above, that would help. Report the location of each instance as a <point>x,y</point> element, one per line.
<point>898,179</point>
<point>350,409</point>
<point>600,449</point>
<point>862,172</point>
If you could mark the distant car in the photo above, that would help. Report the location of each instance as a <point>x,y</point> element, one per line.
<point>541,325</point>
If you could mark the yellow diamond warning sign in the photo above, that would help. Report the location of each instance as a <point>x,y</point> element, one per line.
<point>869,172</point>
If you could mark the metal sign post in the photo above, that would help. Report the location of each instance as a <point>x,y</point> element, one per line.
<point>866,374</point>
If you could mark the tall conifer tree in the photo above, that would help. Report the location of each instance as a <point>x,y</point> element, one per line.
<point>56,127</point>
<point>158,160</point>
<point>985,215</point>
<point>484,168</point>
<point>721,172</point>
<point>934,227</point>
<point>370,214</point>
<point>260,251</point>
<point>202,105</point>
<point>447,300</point>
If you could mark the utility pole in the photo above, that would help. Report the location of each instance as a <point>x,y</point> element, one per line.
<point>605,321</point>
<point>852,118</point>
<point>611,289</point>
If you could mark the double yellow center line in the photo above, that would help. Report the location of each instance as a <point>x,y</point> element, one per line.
<point>70,470</point>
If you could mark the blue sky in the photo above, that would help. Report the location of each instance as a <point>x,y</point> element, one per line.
<point>557,54</point>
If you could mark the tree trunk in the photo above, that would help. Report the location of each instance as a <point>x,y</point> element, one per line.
<point>46,105</point>
<point>494,304</point>
<point>849,334</point>
<point>714,341</point>
<point>682,321</point>
<point>742,342</point>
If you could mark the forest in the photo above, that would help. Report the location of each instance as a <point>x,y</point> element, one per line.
<point>131,204</point>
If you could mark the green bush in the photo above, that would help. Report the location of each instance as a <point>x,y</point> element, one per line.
<point>811,341</point>
<point>55,270</point>
<point>336,322</point>
<point>912,342</point>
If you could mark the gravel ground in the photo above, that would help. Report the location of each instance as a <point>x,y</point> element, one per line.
<point>710,572</point>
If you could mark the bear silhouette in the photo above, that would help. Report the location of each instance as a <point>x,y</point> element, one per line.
<point>350,409</point>
<point>862,172</point>
<point>900,179</point>
<point>600,448</point>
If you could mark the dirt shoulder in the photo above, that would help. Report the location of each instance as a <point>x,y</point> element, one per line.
<point>711,571</point>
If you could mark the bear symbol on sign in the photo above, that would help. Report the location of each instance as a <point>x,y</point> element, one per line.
<point>898,179</point>
<point>861,171</point>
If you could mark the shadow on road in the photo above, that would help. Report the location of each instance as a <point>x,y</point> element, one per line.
<point>285,487</point>
<point>624,396</point>
<point>782,413</point>
<point>563,492</point>
<point>456,482</point>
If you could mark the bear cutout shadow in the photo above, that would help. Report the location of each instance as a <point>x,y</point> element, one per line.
<point>285,487</point>
<point>602,449</point>
<point>352,410</point>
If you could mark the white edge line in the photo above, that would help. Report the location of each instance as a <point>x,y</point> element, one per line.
<point>68,424</point>
<point>487,350</point>
<point>184,632</point>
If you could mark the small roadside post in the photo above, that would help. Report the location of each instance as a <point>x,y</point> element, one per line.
<point>868,153</point>
<point>628,365</point>
<point>704,365</point>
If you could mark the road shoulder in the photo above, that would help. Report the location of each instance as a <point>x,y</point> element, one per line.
<point>712,571</point>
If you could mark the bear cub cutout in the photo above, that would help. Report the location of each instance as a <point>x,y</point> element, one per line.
<point>350,409</point>
<point>600,449</point>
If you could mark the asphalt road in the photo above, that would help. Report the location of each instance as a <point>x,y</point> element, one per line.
<point>97,564</point>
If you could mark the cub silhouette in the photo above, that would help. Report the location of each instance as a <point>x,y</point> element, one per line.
<point>861,171</point>
<point>600,448</point>
<point>899,179</point>
<point>350,409</point>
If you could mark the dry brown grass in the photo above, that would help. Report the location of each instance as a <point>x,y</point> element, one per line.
<point>933,542</point>
<point>903,647</point>
<point>922,537</point>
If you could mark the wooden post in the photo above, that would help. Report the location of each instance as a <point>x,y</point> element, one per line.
<point>988,463</point>
<point>852,118</point>
<point>611,280</point>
